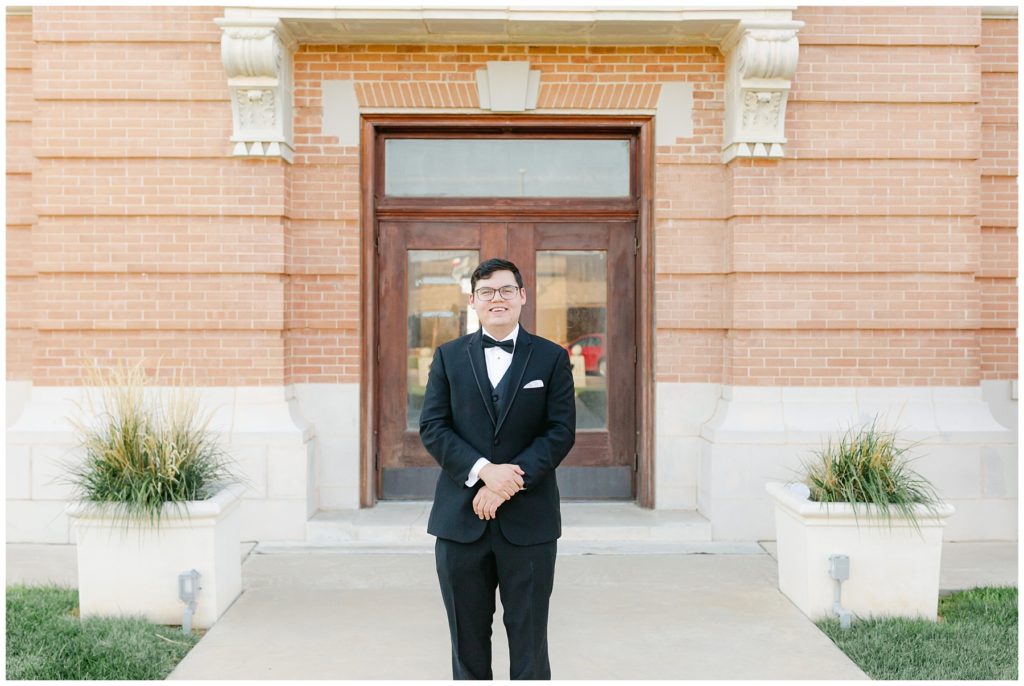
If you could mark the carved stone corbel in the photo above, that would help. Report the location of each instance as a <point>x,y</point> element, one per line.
<point>760,60</point>
<point>257,57</point>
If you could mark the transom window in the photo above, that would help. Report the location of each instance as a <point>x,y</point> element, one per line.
<point>507,167</point>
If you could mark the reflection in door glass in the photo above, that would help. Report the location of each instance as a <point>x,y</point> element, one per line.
<point>572,302</point>
<point>438,312</point>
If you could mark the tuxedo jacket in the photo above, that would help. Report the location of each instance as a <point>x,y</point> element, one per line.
<point>536,430</point>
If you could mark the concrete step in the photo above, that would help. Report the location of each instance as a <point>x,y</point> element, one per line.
<point>629,522</point>
<point>586,527</point>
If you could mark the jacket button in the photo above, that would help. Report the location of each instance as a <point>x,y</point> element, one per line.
<point>497,441</point>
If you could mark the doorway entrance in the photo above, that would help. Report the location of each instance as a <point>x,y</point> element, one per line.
<point>562,204</point>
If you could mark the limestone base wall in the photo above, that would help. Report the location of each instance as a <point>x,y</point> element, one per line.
<point>716,446</point>
<point>262,429</point>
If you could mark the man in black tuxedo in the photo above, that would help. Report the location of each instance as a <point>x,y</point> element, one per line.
<point>499,414</point>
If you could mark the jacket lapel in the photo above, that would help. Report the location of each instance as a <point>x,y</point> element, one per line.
<point>520,356</point>
<point>475,350</point>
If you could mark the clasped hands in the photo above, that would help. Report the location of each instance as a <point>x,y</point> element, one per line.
<point>501,482</point>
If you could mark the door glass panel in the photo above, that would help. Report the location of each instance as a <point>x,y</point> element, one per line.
<point>438,312</point>
<point>506,167</point>
<point>572,304</point>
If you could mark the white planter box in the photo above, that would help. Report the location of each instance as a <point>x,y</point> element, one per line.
<point>893,571</point>
<point>134,570</point>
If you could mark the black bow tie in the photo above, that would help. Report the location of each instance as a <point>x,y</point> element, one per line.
<point>508,346</point>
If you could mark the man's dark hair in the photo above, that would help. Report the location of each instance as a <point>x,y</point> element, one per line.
<point>485,269</point>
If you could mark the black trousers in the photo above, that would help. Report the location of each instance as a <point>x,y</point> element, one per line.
<point>468,574</point>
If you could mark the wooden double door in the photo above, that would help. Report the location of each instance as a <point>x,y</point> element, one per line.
<point>580,279</point>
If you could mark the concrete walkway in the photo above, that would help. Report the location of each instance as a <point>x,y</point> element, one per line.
<point>323,613</point>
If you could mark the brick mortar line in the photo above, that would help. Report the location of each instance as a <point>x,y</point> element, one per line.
<point>915,46</point>
<point>163,330</point>
<point>871,159</point>
<point>945,44</point>
<point>149,158</point>
<point>822,215</point>
<point>829,330</point>
<point>684,163</point>
<point>881,102</point>
<point>820,273</point>
<point>79,41</point>
<point>148,101</point>
<point>189,216</point>
<point>150,272</point>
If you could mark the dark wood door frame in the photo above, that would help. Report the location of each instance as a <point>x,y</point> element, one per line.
<point>373,126</point>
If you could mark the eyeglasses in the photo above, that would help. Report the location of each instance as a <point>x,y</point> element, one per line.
<point>507,292</point>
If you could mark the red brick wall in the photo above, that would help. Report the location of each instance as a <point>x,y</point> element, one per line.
<point>881,251</point>
<point>997,273</point>
<point>20,216</point>
<point>857,260</point>
<point>149,240</point>
<point>324,209</point>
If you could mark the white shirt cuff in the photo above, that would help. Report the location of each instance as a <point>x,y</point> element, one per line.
<point>474,473</point>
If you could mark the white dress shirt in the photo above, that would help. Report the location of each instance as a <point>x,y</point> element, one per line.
<point>498,361</point>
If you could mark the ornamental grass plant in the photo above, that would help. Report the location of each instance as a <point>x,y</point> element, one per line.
<point>144,450</point>
<point>866,467</point>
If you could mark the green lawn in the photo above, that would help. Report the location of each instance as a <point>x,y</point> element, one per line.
<point>46,640</point>
<point>975,638</point>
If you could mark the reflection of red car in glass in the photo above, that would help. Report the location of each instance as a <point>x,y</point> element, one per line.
<point>593,352</point>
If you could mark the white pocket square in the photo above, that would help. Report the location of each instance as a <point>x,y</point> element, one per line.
<point>535,384</point>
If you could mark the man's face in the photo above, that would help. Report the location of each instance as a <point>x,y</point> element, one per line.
<point>498,315</point>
